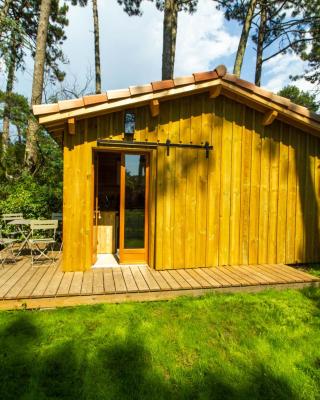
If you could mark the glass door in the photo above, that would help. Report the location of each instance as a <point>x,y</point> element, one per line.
<point>134,208</point>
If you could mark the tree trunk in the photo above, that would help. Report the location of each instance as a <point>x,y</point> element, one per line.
<point>261,35</point>
<point>170,25</point>
<point>96,45</point>
<point>37,83</point>
<point>6,110</point>
<point>244,38</point>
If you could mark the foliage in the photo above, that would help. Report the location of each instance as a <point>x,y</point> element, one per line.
<point>34,195</point>
<point>22,26</point>
<point>133,7</point>
<point>244,346</point>
<point>300,97</point>
<point>18,109</point>
<point>290,26</point>
<point>311,53</point>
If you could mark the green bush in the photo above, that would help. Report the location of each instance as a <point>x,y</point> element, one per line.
<point>34,200</point>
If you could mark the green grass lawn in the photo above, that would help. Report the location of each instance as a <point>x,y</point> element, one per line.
<point>244,346</point>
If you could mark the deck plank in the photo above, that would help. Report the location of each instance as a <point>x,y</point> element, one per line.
<point>245,278</point>
<point>170,280</point>
<point>163,284</point>
<point>16,289</point>
<point>265,280</point>
<point>252,274</point>
<point>98,286</point>
<point>184,284</point>
<point>223,282</point>
<point>291,271</point>
<point>223,278</point>
<point>53,285</point>
<point>10,271</point>
<point>20,281</point>
<point>192,282</point>
<point>208,277</point>
<point>119,282</point>
<point>44,281</point>
<point>282,274</point>
<point>76,284</point>
<point>14,279</point>
<point>203,282</point>
<point>238,278</point>
<point>235,281</point>
<point>129,281</point>
<point>278,279</point>
<point>108,281</point>
<point>151,282</point>
<point>64,287</point>
<point>87,282</point>
<point>139,279</point>
<point>30,286</point>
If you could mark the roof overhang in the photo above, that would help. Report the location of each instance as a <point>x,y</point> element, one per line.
<point>56,117</point>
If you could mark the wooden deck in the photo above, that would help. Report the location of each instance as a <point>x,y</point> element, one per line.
<point>23,286</point>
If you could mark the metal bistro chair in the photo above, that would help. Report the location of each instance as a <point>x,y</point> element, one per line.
<point>7,249</point>
<point>11,217</point>
<point>58,216</point>
<point>42,239</point>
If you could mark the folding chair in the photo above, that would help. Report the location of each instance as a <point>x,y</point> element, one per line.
<point>58,216</point>
<point>11,217</point>
<point>42,239</point>
<point>6,250</point>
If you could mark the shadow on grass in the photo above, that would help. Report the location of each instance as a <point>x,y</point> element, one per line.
<point>122,371</point>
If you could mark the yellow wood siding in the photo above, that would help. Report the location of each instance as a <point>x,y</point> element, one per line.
<point>255,199</point>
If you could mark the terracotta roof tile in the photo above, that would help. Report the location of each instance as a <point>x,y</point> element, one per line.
<point>221,70</point>
<point>135,90</point>
<point>299,109</point>
<point>280,100</point>
<point>245,84</point>
<point>184,80</point>
<point>162,85</point>
<point>45,109</point>
<point>205,76</point>
<point>230,77</point>
<point>70,104</point>
<point>263,92</point>
<point>118,94</point>
<point>95,99</point>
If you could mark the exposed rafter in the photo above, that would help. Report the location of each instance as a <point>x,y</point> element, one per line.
<point>269,117</point>
<point>154,107</point>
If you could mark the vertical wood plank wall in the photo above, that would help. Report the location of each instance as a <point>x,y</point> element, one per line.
<point>255,199</point>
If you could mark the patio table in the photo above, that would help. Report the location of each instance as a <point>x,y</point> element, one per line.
<point>19,224</point>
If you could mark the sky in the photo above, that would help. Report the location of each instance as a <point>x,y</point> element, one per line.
<point>131,48</point>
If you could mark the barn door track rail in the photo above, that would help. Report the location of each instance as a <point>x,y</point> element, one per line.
<point>168,144</point>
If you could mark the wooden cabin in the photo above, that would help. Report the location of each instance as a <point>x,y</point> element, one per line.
<point>197,171</point>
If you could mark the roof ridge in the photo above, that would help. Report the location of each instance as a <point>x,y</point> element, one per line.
<point>197,78</point>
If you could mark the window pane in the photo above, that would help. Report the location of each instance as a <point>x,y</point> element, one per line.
<point>135,185</point>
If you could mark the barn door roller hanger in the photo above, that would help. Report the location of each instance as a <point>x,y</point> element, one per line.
<point>168,144</point>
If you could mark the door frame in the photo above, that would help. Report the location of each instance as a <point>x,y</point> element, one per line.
<point>134,256</point>
<point>131,256</point>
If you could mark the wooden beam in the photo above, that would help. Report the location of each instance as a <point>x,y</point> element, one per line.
<point>71,126</point>
<point>154,107</point>
<point>269,117</point>
<point>215,91</point>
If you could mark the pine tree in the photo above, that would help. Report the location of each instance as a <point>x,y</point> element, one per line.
<point>47,53</point>
<point>18,40</point>
<point>96,45</point>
